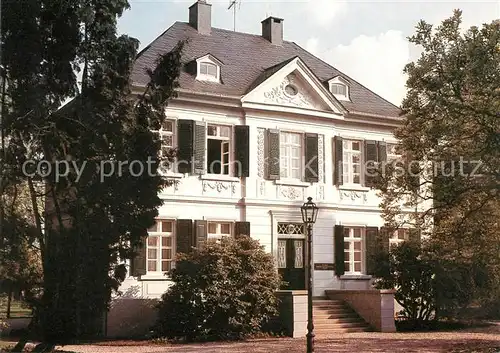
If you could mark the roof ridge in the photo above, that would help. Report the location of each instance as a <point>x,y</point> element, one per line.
<point>284,62</point>
<point>238,50</point>
<point>156,39</point>
<point>236,32</point>
<point>352,79</point>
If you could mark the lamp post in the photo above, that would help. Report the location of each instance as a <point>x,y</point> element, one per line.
<point>309,212</point>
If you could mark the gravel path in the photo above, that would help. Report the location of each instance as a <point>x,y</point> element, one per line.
<point>482,340</point>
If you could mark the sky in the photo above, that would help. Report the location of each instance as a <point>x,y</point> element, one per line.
<point>366,40</point>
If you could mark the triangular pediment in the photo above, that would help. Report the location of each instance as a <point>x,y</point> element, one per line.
<point>293,86</point>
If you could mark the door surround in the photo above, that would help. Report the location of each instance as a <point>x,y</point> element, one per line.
<point>290,216</point>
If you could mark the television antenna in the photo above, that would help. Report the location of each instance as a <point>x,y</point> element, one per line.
<point>232,5</point>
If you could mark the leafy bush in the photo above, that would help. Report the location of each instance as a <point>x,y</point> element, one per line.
<point>427,286</point>
<point>412,276</point>
<point>224,291</point>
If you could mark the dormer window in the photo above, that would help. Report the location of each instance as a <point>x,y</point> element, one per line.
<point>209,69</point>
<point>339,88</point>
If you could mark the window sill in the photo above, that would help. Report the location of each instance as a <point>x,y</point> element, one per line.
<point>356,277</point>
<point>207,78</point>
<point>215,177</point>
<point>171,175</point>
<point>154,277</point>
<point>292,183</point>
<point>354,188</point>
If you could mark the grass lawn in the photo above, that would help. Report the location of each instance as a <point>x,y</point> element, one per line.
<point>17,308</point>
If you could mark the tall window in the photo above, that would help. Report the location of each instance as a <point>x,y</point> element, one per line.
<point>160,246</point>
<point>352,162</point>
<point>217,230</point>
<point>218,149</point>
<point>291,155</point>
<point>166,134</point>
<point>353,250</point>
<point>399,236</point>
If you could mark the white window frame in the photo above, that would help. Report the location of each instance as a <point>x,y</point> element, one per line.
<point>289,158</point>
<point>347,160</point>
<point>394,239</point>
<point>207,66</point>
<point>210,60</point>
<point>218,234</point>
<point>338,87</point>
<point>351,240</point>
<point>391,153</point>
<point>227,141</point>
<point>161,234</point>
<point>163,134</point>
<point>339,81</point>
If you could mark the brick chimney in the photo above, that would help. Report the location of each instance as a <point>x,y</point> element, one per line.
<point>272,30</point>
<point>200,17</point>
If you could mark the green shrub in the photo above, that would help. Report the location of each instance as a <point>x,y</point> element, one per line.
<point>413,278</point>
<point>224,291</point>
<point>427,287</point>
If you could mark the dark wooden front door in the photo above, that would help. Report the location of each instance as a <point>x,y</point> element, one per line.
<point>291,263</point>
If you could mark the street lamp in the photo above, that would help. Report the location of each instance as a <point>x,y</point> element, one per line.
<point>309,212</point>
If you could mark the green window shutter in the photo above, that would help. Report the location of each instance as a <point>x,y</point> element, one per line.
<point>415,235</point>
<point>241,228</point>
<point>138,263</point>
<point>384,236</point>
<point>242,151</point>
<point>382,152</point>
<point>311,163</point>
<point>370,162</point>
<point>200,140</point>
<point>184,236</point>
<point>185,150</point>
<point>338,156</point>
<point>339,250</point>
<point>372,249</point>
<point>273,154</point>
<point>201,233</point>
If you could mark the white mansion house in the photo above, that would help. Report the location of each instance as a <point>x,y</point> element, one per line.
<point>266,124</point>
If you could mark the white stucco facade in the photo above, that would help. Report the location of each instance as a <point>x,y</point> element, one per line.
<point>265,203</point>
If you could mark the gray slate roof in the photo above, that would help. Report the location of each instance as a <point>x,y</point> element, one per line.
<point>248,59</point>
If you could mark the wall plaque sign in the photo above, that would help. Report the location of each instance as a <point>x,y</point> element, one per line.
<point>324,267</point>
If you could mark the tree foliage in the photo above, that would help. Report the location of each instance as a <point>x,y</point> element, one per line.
<point>427,287</point>
<point>451,126</point>
<point>91,222</point>
<point>412,276</point>
<point>20,264</point>
<point>224,291</point>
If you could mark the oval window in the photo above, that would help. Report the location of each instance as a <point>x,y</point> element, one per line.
<point>291,90</point>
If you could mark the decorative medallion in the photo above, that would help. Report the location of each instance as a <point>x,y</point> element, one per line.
<point>291,90</point>
<point>353,195</point>
<point>291,193</point>
<point>219,186</point>
<point>287,93</point>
